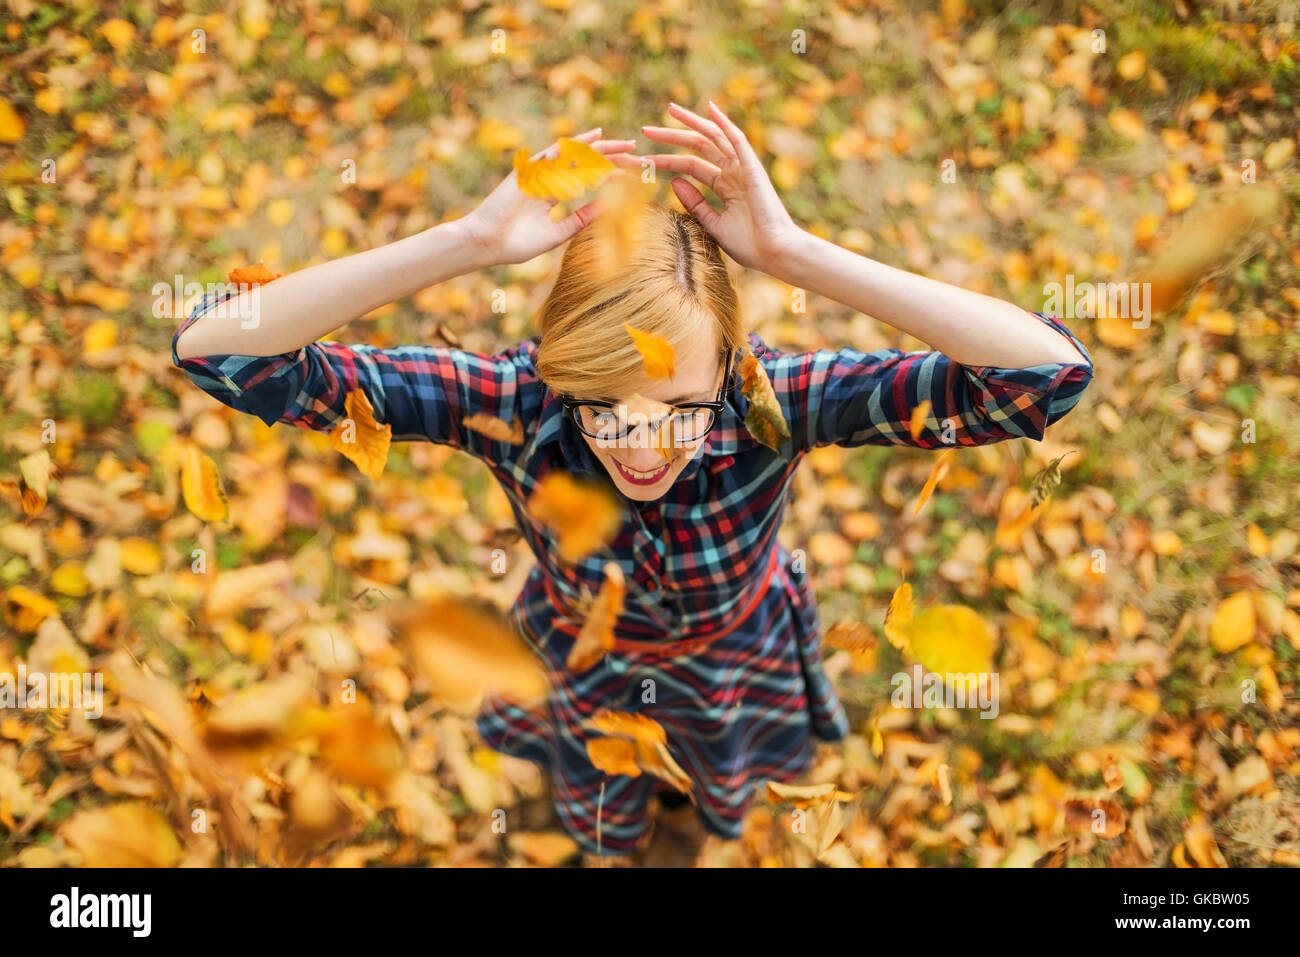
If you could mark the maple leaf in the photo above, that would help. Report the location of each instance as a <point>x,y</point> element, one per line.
<point>765,420</point>
<point>360,438</point>
<point>576,169</point>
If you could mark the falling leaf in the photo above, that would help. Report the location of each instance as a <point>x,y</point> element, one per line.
<point>576,169</point>
<point>764,420</point>
<point>496,429</point>
<point>951,640</point>
<point>1040,489</point>
<point>466,652</point>
<point>614,756</point>
<point>201,486</point>
<point>584,516</point>
<point>597,634</point>
<point>360,438</point>
<point>620,224</point>
<point>851,636</point>
<point>1205,239</point>
<point>917,421</point>
<point>899,615</point>
<point>938,472</point>
<point>657,354</point>
<point>651,741</point>
<point>129,834</point>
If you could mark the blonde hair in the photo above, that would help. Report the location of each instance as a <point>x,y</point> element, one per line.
<point>674,283</point>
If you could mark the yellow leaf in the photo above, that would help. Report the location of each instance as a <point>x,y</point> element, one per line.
<point>584,516</point>
<point>576,169</point>
<point>130,834</point>
<point>1179,196</point>
<point>70,579</point>
<point>657,353</point>
<point>360,438</point>
<point>100,336</point>
<point>597,634</point>
<point>201,486</point>
<point>620,223</point>
<point>1234,623</point>
<point>804,795</point>
<point>951,640</point>
<point>899,616</point>
<point>764,420</point>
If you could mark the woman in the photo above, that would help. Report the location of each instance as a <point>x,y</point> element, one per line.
<point>718,641</point>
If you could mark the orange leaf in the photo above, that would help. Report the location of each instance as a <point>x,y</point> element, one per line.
<point>850,635</point>
<point>201,486</point>
<point>917,421</point>
<point>360,438</point>
<point>1081,815</point>
<point>764,420</point>
<point>584,516</point>
<point>253,275</point>
<point>465,651</point>
<point>614,756</point>
<point>496,429</point>
<point>597,634</point>
<point>939,471</point>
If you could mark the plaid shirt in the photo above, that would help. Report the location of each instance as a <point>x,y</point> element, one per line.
<point>719,639</point>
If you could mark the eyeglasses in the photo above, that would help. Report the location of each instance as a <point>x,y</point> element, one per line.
<point>689,422</point>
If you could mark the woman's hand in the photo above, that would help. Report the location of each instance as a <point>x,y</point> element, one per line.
<point>753,227</point>
<point>509,227</point>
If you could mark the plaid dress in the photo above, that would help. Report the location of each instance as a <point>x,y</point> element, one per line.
<point>719,639</point>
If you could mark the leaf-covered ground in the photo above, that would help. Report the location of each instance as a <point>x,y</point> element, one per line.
<point>1146,620</point>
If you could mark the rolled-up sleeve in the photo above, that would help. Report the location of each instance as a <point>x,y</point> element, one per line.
<point>423,392</point>
<point>851,398</point>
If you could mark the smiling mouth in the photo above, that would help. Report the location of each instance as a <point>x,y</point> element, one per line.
<point>640,478</point>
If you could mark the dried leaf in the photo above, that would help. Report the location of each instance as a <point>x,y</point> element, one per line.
<point>583,515</point>
<point>201,486</point>
<point>576,169</point>
<point>360,438</point>
<point>129,834</point>
<point>496,429</point>
<point>657,355</point>
<point>764,420</point>
<point>597,634</point>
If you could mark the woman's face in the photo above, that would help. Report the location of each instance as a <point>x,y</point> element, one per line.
<point>637,468</point>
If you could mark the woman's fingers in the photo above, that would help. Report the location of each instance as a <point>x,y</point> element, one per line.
<point>687,139</point>
<point>706,127</point>
<point>735,136</point>
<point>704,171</point>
